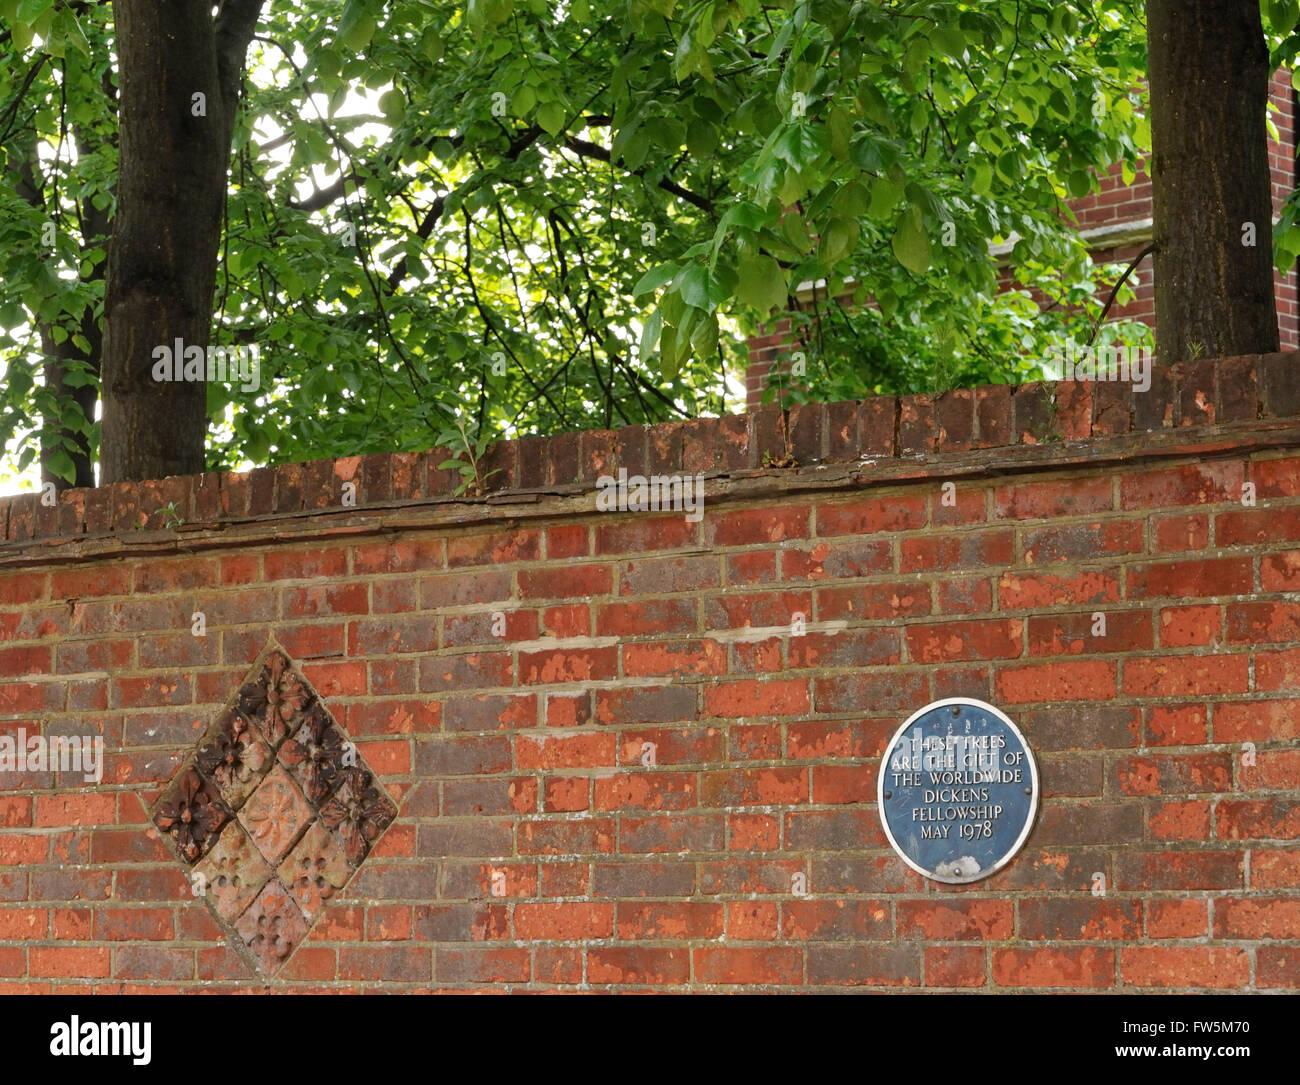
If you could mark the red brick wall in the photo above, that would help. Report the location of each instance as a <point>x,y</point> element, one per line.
<point>534,848</point>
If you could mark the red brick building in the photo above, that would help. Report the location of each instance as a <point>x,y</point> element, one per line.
<point>1117,222</point>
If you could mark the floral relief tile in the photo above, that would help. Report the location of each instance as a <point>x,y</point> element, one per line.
<point>234,872</point>
<point>358,812</point>
<point>192,814</point>
<point>273,813</point>
<point>276,699</point>
<point>317,754</point>
<point>235,759</point>
<point>272,927</point>
<point>315,870</point>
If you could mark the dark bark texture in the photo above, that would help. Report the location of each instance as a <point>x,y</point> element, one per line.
<point>1208,74</point>
<point>171,193</point>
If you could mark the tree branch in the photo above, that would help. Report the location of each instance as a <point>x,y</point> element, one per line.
<point>595,150</point>
<point>234,30</point>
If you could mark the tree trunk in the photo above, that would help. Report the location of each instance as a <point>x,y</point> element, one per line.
<point>1208,73</point>
<point>174,151</point>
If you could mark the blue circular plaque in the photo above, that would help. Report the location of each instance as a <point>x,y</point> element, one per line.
<point>958,790</point>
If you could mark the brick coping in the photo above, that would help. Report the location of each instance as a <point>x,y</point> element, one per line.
<point>1229,404</point>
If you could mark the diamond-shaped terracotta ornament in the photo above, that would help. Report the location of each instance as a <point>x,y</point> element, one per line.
<point>234,872</point>
<point>315,870</point>
<point>273,813</point>
<point>272,927</point>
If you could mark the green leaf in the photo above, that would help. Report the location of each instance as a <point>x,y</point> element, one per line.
<point>841,133</point>
<point>698,288</point>
<point>795,231</point>
<point>432,45</point>
<point>762,283</point>
<point>1079,184</point>
<point>358,35</point>
<point>393,106</point>
<point>60,463</point>
<point>884,198</point>
<point>31,10</point>
<point>1282,15</point>
<point>655,278</point>
<point>669,365</point>
<point>704,339</point>
<point>852,200</point>
<point>551,117</point>
<point>915,58</point>
<point>650,336</point>
<point>910,244</point>
<point>523,101</point>
<point>874,107</point>
<point>837,241</point>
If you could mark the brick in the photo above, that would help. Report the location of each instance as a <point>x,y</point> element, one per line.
<point>1082,967</point>
<point>1048,590</point>
<point>563,922</point>
<point>1173,533</point>
<point>775,966</point>
<point>636,966</point>
<point>1278,394</point>
<point>645,791</point>
<point>782,785</point>
<point>1185,676</point>
<point>746,698</point>
<point>1258,819</point>
<point>1257,918</point>
<point>549,751</point>
<point>901,513</point>
<point>873,601</point>
<point>1082,680</point>
<point>1238,394</point>
<point>993,416</point>
<point>864,966</point>
<point>1080,542</point>
<point>1088,919</point>
<point>957,551</point>
<point>669,920</point>
<point>956,920</point>
<point>1177,919</point>
<point>1180,870</point>
<point>955,966</point>
<point>1044,500</point>
<point>1277,966</point>
<point>1184,966</point>
<point>1257,721</point>
<point>565,581</point>
<point>965,640</point>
